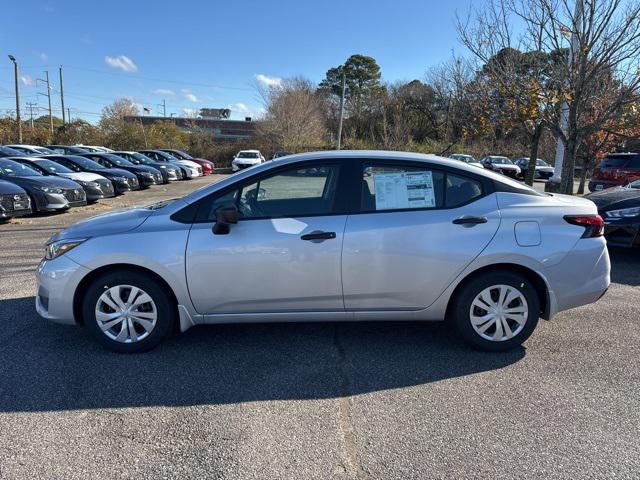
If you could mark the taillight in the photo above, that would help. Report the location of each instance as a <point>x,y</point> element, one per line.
<point>593,224</point>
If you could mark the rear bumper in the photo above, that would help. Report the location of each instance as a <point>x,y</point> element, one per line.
<point>597,185</point>
<point>588,262</point>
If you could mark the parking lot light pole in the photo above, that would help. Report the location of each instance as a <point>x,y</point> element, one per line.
<point>17,80</point>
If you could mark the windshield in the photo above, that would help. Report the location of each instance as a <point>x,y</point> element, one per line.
<point>86,163</point>
<point>10,152</point>
<point>121,162</point>
<point>44,151</point>
<point>634,184</point>
<point>168,157</point>
<point>247,155</point>
<point>52,167</point>
<point>541,163</point>
<point>501,160</point>
<point>15,169</point>
<point>180,154</point>
<point>466,158</point>
<point>616,161</point>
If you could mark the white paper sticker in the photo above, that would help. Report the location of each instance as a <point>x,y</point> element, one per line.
<point>404,190</point>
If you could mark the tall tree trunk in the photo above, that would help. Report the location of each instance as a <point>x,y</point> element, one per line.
<point>533,155</point>
<point>566,181</point>
<point>583,176</point>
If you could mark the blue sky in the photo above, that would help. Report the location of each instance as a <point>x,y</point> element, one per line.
<point>210,53</point>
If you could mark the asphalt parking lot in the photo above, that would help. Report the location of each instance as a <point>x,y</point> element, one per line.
<point>367,400</point>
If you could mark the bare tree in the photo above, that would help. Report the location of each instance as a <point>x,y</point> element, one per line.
<point>293,119</point>
<point>592,47</point>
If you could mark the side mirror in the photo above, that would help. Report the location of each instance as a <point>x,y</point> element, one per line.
<point>225,216</point>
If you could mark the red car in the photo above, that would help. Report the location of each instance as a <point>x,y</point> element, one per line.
<point>614,170</point>
<point>207,166</point>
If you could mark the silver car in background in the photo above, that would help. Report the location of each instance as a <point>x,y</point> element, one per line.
<point>336,236</point>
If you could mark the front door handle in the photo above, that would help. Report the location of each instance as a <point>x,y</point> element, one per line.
<point>470,220</point>
<point>318,236</point>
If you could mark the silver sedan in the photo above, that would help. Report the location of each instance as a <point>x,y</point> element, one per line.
<point>335,236</point>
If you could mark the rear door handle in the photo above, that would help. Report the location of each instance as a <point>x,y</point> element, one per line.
<point>470,220</point>
<point>318,236</point>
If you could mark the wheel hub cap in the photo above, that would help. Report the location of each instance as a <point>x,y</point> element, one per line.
<point>499,313</point>
<point>126,314</point>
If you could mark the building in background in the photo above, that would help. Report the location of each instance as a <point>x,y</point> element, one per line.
<point>213,120</point>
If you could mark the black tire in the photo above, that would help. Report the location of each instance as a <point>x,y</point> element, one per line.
<point>461,311</point>
<point>165,307</point>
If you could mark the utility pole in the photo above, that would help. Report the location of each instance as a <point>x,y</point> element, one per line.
<point>16,72</point>
<point>62,97</point>
<point>31,106</point>
<point>46,80</point>
<point>69,114</point>
<point>344,85</point>
<point>164,107</point>
<point>554,183</point>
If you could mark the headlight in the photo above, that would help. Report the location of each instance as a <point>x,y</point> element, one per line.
<point>120,179</point>
<point>89,184</point>
<point>49,189</point>
<point>162,166</point>
<point>623,213</point>
<point>55,249</point>
<point>147,174</point>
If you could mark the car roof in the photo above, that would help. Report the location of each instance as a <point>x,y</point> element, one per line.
<point>252,151</point>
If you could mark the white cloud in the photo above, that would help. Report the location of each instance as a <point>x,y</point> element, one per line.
<point>191,97</point>
<point>121,62</point>
<point>239,108</point>
<point>163,91</point>
<point>267,81</point>
<point>27,80</point>
<point>43,56</point>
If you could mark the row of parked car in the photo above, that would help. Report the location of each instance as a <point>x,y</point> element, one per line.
<point>35,179</point>
<point>514,169</point>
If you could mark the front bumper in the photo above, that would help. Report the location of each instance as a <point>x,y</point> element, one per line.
<point>241,166</point>
<point>103,190</point>
<point>14,205</point>
<point>50,202</point>
<point>57,281</point>
<point>146,181</point>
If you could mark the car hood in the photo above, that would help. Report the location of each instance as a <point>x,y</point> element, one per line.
<point>544,169</point>
<point>106,224</point>
<point>140,169</point>
<point>48,181</point>
<point>82,176</point>
<point>615,198</point>
<point>8,188</point>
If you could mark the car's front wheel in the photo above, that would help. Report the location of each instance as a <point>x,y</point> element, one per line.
<point>127,311</point>
<point>497,311</point>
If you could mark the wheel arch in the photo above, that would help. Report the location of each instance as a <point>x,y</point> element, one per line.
<point>91,276</point>
<point>538,282</point>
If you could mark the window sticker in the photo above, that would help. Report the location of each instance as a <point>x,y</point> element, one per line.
<point>404,190</point>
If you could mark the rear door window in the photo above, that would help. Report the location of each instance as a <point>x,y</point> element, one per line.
<point>401,188</point>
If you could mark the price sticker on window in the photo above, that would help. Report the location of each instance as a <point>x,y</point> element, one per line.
<point>404,190</point>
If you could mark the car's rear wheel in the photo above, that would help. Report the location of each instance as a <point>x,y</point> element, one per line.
<point>497,311</point>
<point>128,312</point>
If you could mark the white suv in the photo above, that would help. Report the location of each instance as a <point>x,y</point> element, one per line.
<point>246,159</point>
